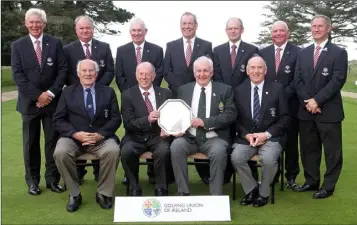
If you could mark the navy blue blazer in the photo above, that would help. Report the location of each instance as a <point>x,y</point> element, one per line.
<point>71,115</point>
<point>101,53</point>
<point>32,79</point>
<point>324,83</point>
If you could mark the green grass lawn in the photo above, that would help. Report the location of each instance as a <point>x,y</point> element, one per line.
<point>18,207</point>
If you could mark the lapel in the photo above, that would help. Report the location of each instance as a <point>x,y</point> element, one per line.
<point>321,57</point>
<point>79,99</point>
<point>265,100</point>
<point>247,103</point>
<point>98,101</point>
<point>158,97</point>
<point>94,49</point>
<point>284,58</point>
<point>32,51</point>
<point>227,56</point>
<point>79,50</point>
<point>214,99</point>
<point>131,54</point>
<point>45,48</point>
<point>179,48</point>
<point>137,96</point>
<point>187,95</point>
<point>146,52</point>
<point>195,51</point>
<point>309,57</point>
<point>240,53</point>
<point>271,60</point>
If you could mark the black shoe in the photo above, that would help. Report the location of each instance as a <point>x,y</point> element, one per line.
<point>250,197</point>
<point>34,189</point>
<point>290,183</point>
<point>306,187</point>
<point>81,175</point>
<point>183,194</point>
<point>322,193</point>
<point>152,180</point>
<point>104,201</point>
<point>205,180</point>
<point>137,192</point>
<point>161,192</point>
<point>260,201</point>
<point>55,187</point>
<point>74,203</point>
<point>125,181</point>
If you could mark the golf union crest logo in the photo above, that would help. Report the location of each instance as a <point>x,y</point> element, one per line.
<point>151,208</point>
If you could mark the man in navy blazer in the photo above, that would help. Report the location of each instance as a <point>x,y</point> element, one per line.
<point>230,61</point>
<point>321,72</point>
<point>39,71</point>
<point>178,63</point>
<point>263,119</point>
<point>281,59</point>
<point>87,117</point>
<point>97,51</point>
<point>133,53</point>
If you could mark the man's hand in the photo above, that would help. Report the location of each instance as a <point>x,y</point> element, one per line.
<point>39,105</point>
<point>178,134</point>
<point>153,116</point>
<point>260,138</point>
<point>80,136</point>
<point>250,138</point>
<point>92,139</point>
<point>317,110</point>
<point>197,122</point>
<point>44,99</point>
<point>163,134</point>
<point>311,104</point>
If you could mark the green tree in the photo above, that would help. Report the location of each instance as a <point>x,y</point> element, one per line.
<point>298,13</point>
<point>60,20</point>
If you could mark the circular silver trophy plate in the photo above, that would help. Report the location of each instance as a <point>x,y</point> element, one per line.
<point>175,116</point>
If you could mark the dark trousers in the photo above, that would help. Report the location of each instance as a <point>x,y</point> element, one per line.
<point>31,131</point>
<point>130,153</point>
<point>312,136</point>
<point>292,151</point>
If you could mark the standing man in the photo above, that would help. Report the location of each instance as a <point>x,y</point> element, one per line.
<point>86,47</point>
<point>213,110</point>
<point>39,71</point>
<point>178,64</point>
<point>230,61</point>
<point>142,132</point>
<point>262,122</point>
<point>132,54</point>
<point>87,117</point>
<point>321,72</point>
<point>280,58</point>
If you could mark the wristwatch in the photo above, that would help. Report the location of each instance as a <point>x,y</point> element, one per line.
<point>268,134</point>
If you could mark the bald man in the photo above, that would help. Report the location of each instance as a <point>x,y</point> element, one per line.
<point>281,59</point>
<point>263,118</point>
<point>230,61</point>
<point>140,105</point>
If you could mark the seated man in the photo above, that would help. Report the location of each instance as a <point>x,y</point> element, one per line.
<point>262,121</point>
<point>213,109</point>
<point>87,118</point>
<point>139,109</point>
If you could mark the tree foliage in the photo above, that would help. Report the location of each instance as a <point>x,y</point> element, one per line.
<point>60,20</point>
<point>298,13</point>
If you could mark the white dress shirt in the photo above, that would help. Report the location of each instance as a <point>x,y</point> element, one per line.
<point>194,106</point>
<point>33,40</point>
<point>151,96</point>
<point>260,93</point>
<point>185,44</point>
<point>85,48</point>
<point>322,45</point>
<point>236,44</point>
<point>141,50</point>
<point>282,49</point>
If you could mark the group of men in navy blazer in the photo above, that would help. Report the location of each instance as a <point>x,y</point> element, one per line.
<point>245,101</point>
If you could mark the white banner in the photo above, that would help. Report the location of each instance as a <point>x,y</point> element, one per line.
<point>172,208</point>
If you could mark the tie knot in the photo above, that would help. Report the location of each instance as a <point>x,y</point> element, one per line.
<point>189,41</point>
<point>318,48</point>
<point>138,48</point>
<point>86,44</point>
<point>256,88</point>
<point>278,49</point>
<point>88,90</point>
<point>37,42</point>
<point>203,89</point>
<point>146,94</point>
<point>234,47</point>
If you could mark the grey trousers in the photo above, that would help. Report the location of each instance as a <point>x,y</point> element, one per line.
<point>269,154</point>
<point>216,150</point>
<point>65,157</point>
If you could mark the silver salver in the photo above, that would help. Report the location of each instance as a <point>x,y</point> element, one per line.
<point>175,116</point>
